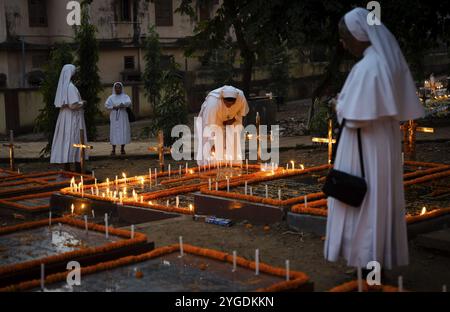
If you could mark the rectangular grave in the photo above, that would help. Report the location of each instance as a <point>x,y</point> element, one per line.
<point>39,182</point>
<point>120,215</point>
<point>24,247</point>
<point>164,270</point>
<point>238,210</point>
<point>26,205</point>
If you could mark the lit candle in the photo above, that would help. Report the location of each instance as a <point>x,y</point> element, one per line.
<point>360,283</point>
<point>267,191</point>
<point>234,260</point>
<point>93,173</point>
<point>167,203</point>
<point>180,170</point>
<point>228,184</point>
<point>181,246</point>
<point>306,201</point>
<point>96,191</point>
<point>400,283</point>
<point>177,201</point>
<point>209,184</point>
<point>191,207</point>
<point>169,170</point>
<point>156,178</point>
<point>251,191</point>
<point>217,186</point>
<point>257,262</point>
<point>125,178</point>
<point>72,208</point>
<point>245,187</point>
<point>92,190</point>
<point>132,231</point>
<point>287,270</point>
<point>86,224</point>
<point>279,194</point>
<point>82,189</point>
<point>106,226</point>
<point>293,164</point>
<point>117,182</point>
<point>93,214</point>
<point>107,182</point>
<point>142,199</point>
<point>95,182</point>
<point>186,167</point>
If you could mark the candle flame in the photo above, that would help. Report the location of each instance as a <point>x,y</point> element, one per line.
<point>83,206</point>
<point>424,211</point>
<point>302,167</point>
<point>72,208</point>
<point>191,171</point>
<point>150,202</point>
<point>124,175</point>
<point>191,207</point>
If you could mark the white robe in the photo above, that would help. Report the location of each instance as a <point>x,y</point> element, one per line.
<point>215,112</point>
<point>377,230</point>
<point>119,131</point>
<point>67,130</point>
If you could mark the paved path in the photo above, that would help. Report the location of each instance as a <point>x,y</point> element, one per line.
<point>31,150</point>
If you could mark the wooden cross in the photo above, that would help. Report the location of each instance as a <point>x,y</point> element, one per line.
<point>409,137</point>
<point>258,137</point>
<point>11,147</point>
<point>160,149</point>
<point>82,146</point>
<point>328,140</point>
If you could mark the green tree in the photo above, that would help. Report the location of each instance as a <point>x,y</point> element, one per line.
<point>278,67</point>
<point>88,79</point>
<point>48,115</point>
<point>247,19</point>
<point>171,110</point>
<point>152,75</point>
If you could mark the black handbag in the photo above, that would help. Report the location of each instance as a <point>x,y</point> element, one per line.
<point>131,116</point>
<point>345,187</point>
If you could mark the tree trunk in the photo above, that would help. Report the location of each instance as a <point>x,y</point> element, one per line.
<point>330,74</point>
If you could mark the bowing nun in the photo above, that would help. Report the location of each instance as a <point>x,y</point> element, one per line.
<point>378,94</point>
<point>70,121</point>
<point>119,133</point>
<point>219,126</point>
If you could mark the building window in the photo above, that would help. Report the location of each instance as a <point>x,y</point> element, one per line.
<point>125,10</point>
<point>128,62</point>
<point>163,13</point>
<point>37,13</point>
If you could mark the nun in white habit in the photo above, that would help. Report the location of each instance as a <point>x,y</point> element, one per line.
<point>225,106</point>
<point>119,132</point>
<point>379,93</point>
<point>70,121</point>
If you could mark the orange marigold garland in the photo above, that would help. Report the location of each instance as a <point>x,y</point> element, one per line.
<point>297,278</point>
<point>138,238</point>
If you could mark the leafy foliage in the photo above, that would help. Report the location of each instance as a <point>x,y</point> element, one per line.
<point>88,79</point>
<point>48,115</point>
<point>152,75</point>
<point>171,110</point>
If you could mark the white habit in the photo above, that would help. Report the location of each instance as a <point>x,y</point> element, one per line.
<point>378,93</point>
<point>215,112</point>
<point>119,131</point>
<point>70,120</point>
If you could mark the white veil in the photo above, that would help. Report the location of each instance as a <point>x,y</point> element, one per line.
<point>65,94</point>
<point>400,99</point>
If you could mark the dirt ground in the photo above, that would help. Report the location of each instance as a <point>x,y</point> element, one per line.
<point>428,270</point>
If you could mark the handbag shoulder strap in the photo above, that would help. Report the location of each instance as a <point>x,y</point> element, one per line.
<point>361,160</point>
